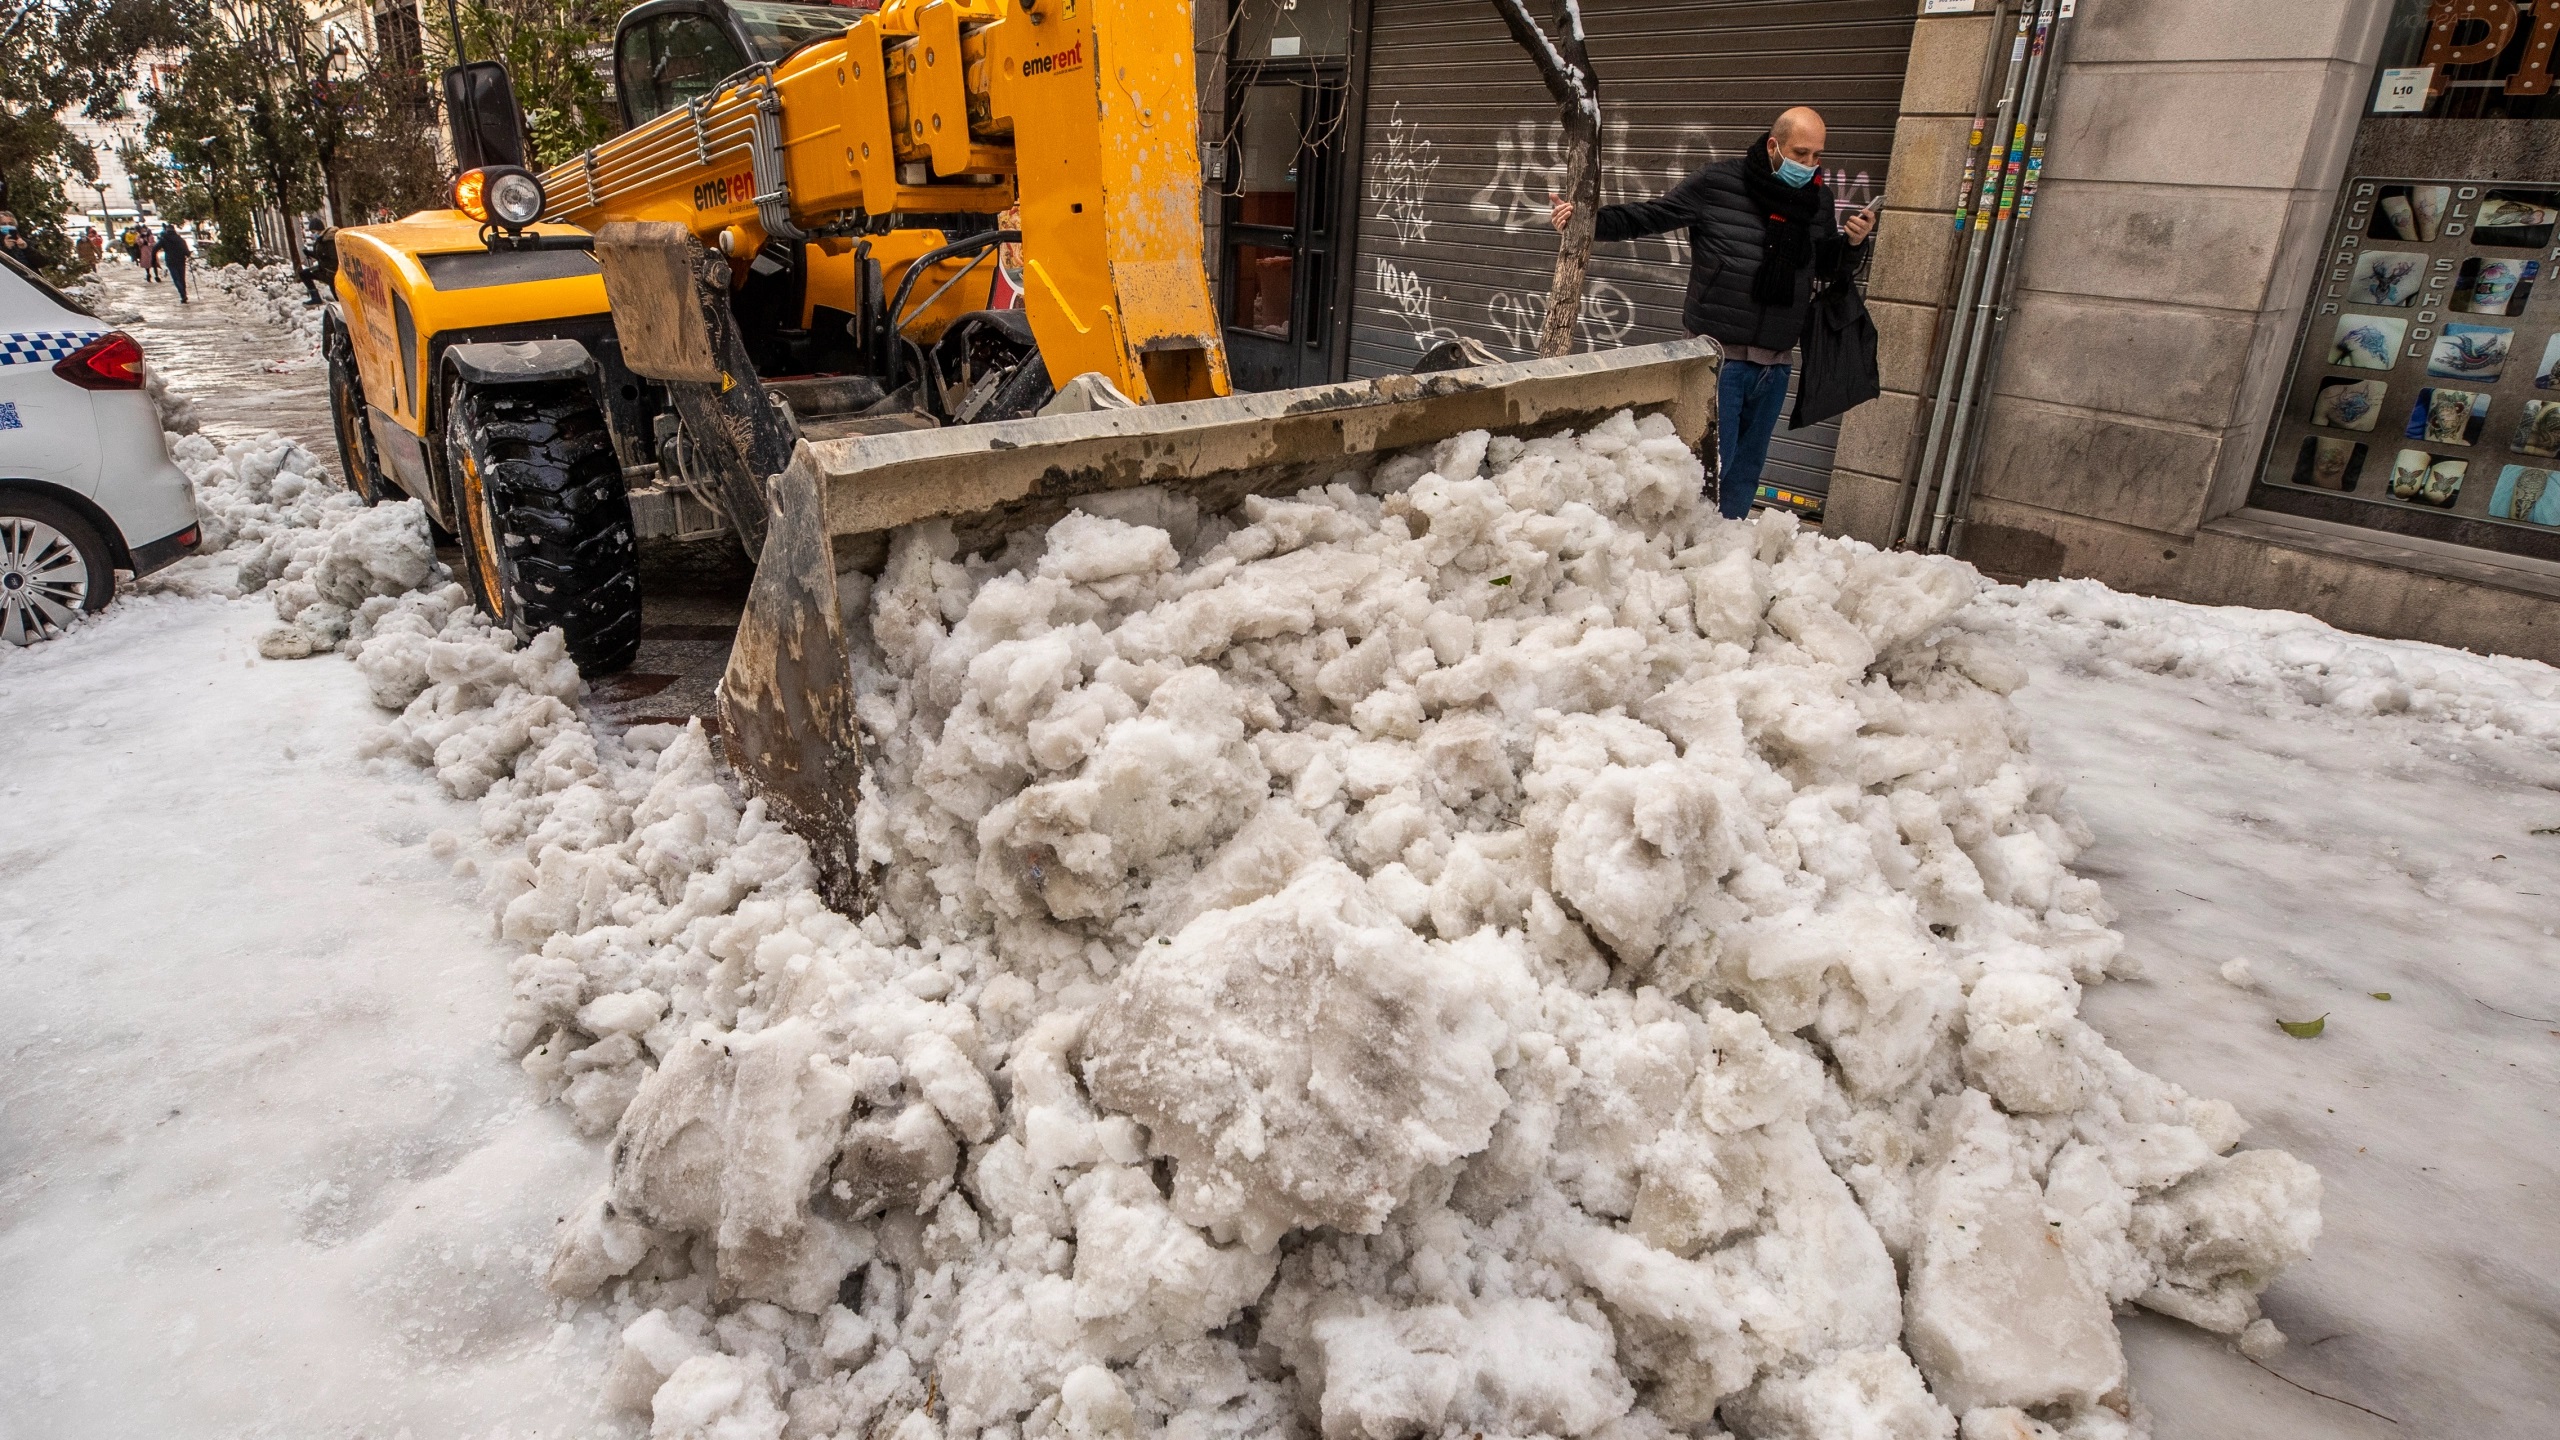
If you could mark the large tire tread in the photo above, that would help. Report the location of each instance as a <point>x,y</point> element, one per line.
<point>568,555</point>
<point>361,468</point>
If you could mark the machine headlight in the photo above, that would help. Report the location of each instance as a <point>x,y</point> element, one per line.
<point>515,198</point>
<point>471,194</point>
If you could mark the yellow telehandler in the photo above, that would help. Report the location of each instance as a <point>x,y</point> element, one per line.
<point>845,270</point>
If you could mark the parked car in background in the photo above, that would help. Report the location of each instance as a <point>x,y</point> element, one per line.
<point>86,484</point>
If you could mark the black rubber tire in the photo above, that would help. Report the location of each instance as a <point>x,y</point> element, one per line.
<point>97,586</point>
<point>356,458</point>
<point>546,532</point>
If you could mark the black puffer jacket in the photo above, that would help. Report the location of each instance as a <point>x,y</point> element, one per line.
<point>1726,239</point>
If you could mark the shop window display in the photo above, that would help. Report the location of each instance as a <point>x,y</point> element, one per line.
<point>2445,416</point>
<point>2432,331</point>
<point>2325,464</point>
<point>2428,313</point>
<point>2344,404</point>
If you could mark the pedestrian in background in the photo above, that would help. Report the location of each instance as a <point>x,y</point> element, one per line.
<point>1761,231</point>
<point>150,256</point>
<point>173,253</point>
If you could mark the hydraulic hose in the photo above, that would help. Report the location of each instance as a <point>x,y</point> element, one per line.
<point>907,285</point>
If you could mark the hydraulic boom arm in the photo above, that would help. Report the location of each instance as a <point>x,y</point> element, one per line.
<point>1081,112</point>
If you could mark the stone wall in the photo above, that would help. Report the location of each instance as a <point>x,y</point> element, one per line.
<point>2192,164</point>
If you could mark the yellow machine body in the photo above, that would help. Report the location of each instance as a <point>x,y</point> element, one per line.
<point>395,309</point>
<point>1080,115</point>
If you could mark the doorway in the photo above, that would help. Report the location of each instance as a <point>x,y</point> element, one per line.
<point>1285,154</point>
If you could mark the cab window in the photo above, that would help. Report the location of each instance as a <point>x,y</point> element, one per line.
<point>777,30</point>
<point>673,60</point>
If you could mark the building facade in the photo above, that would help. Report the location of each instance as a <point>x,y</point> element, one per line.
<point>2278,329</point>
<point>2279,337</point>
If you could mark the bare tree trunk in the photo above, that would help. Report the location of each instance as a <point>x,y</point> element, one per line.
<point>1564,63</point>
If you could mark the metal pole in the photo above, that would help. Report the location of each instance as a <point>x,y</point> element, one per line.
<point>1960,318</point>
<point>453,23</point>
<point>1941,479</point>
<point>1946,331</point>
<point>1948,531</point>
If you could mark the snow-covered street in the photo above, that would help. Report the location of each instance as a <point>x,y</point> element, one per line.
<point>271,1170</point>
<point>267,1171</point>
<point>2271,796</point>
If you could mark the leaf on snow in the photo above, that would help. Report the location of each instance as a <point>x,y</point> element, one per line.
<point>2379,994</point>
<point>1501,579</point>
<point>2303,1029</point>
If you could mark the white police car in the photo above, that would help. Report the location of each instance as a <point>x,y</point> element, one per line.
<point>86,487</point>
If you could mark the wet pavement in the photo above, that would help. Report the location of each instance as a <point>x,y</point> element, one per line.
<point>690,600</point>
<point>242,371</point>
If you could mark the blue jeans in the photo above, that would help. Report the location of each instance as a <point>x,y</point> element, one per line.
<point>1748,400</point>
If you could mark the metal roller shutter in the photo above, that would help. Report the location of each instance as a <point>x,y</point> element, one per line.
<point>1461,148</point>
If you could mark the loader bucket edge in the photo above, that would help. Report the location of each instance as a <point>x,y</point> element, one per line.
<point>993,478</point>
<point>786,699</point>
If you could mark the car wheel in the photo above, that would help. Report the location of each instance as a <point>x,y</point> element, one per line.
<point>356,458</point>
<point>53,568</point>
<point>547,538</point>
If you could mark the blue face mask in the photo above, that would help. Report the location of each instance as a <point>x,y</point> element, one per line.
<point>1795,172</point>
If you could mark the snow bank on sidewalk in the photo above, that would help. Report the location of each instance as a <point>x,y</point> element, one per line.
<point>275,520</point>
<point>1484,947</point>
<point>2282,657</point>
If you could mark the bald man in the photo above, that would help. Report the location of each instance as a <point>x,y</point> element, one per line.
<point>1761,228</point>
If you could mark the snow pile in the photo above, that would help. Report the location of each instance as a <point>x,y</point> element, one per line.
<point>2283,657</point>
<point>275,294</point>
<point>294,532</point>
<point>89,295</point>
<point>1451,953</point>
<point>178,413</point>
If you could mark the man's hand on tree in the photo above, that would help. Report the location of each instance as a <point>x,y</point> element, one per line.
<point>1559,210</point>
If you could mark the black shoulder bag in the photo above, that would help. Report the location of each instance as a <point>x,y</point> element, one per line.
<point>1839,361</point>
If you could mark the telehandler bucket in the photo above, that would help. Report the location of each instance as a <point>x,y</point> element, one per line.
<point>786,703</point>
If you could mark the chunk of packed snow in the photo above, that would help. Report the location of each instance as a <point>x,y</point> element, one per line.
<point>1480,947</point>
<point>276,519</point>
<point>2278,654</point>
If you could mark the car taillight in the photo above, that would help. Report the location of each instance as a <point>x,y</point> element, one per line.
<point>110,362</point>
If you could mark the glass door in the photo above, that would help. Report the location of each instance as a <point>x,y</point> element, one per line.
<point>1286,151</point>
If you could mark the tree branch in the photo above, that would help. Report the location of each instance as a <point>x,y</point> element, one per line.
<point>1564,63</point>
